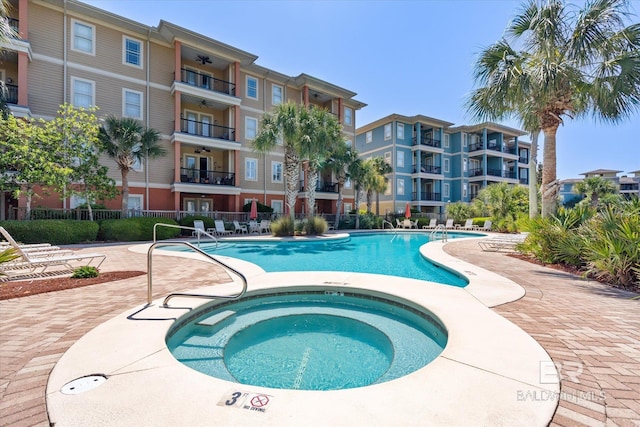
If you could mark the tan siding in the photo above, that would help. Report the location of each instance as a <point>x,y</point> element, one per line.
<point>45,31</point>
<point>161,169</point>
<point>162,64</point>
<point>45,88</point>
<point>161,111</point>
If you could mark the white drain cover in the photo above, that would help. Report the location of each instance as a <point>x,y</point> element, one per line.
<point>80,385</point>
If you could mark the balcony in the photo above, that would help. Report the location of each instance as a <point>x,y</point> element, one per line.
<point>430,142</point>
<point>523,159</point>
<point>494,172</point>
<point>509,174</point>
<point>208,82</point>
<point>476,146</point>
<point>494,147</point>
<point>323,187</point>
<point>207,130</point>
<point>428,169</point>
<point>510,150</point>
<point>524,181</point>
<point>427,196</point>
<point>11,94</point>
<point>629,187</point>
<point>207,177</point>
<point>14,24</point>
<point>476,172</point>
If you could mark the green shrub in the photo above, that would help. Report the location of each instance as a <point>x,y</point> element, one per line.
<point>283,226</point>
<point>137,229</point>
<point>44,213</point>
<point>369,221</point>
<point>479,221</point>
<point>54,231</point>
<point>187,221</point>
<point>314,226</point>
<point>85,272</point>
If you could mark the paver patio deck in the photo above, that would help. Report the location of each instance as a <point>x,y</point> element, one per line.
<point>591,331</point>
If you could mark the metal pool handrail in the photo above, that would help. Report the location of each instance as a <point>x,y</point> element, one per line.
<point>443,231</point>
<point>198,250</point>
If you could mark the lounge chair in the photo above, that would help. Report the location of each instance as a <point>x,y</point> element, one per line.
<point>449,224</point>
<point>486,226</point>
<point>468,225</point>
<point>33,260</point>
<point>199,228</point>
<point>432,224</point>
<point>502,243</point>
<point>220,230</point>
<point>238,228</point>
<point>265,225</point>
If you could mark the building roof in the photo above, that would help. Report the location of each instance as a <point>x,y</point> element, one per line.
<point>600,172</point>
<point>492,126</point>
<point>419,118</point>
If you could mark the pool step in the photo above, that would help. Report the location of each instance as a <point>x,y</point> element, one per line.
<point>216,318</point>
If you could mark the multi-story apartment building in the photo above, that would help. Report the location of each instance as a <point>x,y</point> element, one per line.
<point>628,185</point>
<point>205,98</point>
<point>435,163</point>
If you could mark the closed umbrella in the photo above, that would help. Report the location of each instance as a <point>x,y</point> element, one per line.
<point>253,214</point>
<point>407,211</point>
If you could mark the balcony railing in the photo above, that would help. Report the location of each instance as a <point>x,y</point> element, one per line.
<point>323,187</point>
<point>511,150</point>
<point>524,181</point>
<point>509,174</point>
<point>431,142</point>
<point>476,146</point>
<point>523,159</point>
<point>494,172</point>
<point>428,169</point>
<point>476,172</point>
<point>202,176</point>
<point>207,82</point>
<point>629,187</point>
<point>11,94</point>
<point>426,196</point>
<point>207,130</point>
<point>494,147</point>
<point>14,24</point>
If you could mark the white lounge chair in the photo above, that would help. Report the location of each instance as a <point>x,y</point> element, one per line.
<point>31,261</point>
<point>220,230</point>
<point>199,228</point>
<point>238,228</point>
<point>432,224</point>
<point>468,225</point>
<point>487,226</point>
<point>449,224</point>
<point>265,226</point>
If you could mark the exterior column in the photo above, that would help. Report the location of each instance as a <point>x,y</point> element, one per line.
<point>340,113</point>
<point>23,98</point>
<point>305,95</point>
<point>23,17</point>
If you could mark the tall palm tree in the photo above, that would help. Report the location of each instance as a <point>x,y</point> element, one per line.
<point>341,161</point>
<point>320,132</point>
<point>126,141</point>
<point>358,171</point>
<point>571,64</point>
<point>283,121</point>
<point>594,188</point>
<point>383,169</point>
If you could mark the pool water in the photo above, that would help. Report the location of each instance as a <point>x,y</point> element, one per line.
<point>309,341</point>
<point>378,253</point>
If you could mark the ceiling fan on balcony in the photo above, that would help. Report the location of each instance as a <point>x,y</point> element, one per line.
<point>204,59</point>
<point>202,150</point>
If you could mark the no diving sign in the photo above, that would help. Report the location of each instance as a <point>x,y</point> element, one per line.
<point>256,402</point>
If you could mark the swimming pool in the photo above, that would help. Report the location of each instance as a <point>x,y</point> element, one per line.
<point>309,340</point>
<point>394,254</point>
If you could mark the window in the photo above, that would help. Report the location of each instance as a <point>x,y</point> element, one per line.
<point>135,202</point>
<point>277,205</point>
<point>465,141</point>
<point>348,143</point>
<point>250,127</point>
<point>83,93</point>
<point>400,187</point>
<point>348,116</point>
<point>387,131</point>
<point>464,164</point>
<point>347,183</point>
<point>348,207</point>
<point>276,171</point>
<point>137,165</point>
<point>252,87</point>
<point>83,37</point>
<point>369,137</point>
<point>387,157</point>
<point>446,140</point>
<point>251,169</point>
<point>132,104</point>
<point>276,95</point>
<point>464,190</point>
<point>400,131</point>
<point>400,159</point>
<point>446,165</point>
<point>131,52</point>
<point>75,201</point>
<point>445,190</point>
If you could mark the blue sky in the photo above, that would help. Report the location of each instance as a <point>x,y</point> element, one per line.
<point>405,57</point>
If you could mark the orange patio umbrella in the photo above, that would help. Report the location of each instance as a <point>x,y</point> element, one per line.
<point>407,211</point>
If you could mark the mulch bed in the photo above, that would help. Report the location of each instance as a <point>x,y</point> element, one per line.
<point>22,288</point>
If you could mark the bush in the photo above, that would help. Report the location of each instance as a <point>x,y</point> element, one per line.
<point>137,229</point>
<point>314,226</point>
<point>43,213</point>
<point>85,272</point>
<point>260,206</point>
<point>54,231</point>
<point>283,227</point>
<point>369,221</point>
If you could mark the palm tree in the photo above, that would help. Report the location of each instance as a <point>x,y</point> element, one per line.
<point>383,169</point>
<point>126,141</point>
<point>594,188</point>
<point>283,121</point>
<point>358,171</point>
<point>571,64</point>
<point>320,132</point>
<point>340,161</point>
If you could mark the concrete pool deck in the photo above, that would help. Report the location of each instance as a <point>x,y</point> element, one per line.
<point>590,328</point>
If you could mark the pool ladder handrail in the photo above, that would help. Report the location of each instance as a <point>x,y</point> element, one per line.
<point>156,244</point>
<point>443,231</point>
<point>395,230</point>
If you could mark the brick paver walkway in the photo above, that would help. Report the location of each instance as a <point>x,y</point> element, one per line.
<point>591,330</point>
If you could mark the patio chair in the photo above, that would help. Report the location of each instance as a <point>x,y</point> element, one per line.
<point>265,225</point>
<point>432,224</point>
<point>407,223</point>
<point>253,227</point>
<point>468,225</point>
<point>33,260</point>
<point>449,224</point>
<point>486,226</point>
<point>198,224</point>
<point>220,230</point>
<point>238,228</point>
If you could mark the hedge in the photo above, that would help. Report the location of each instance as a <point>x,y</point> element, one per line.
<point>54,231</point>
<point>136,229</point>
